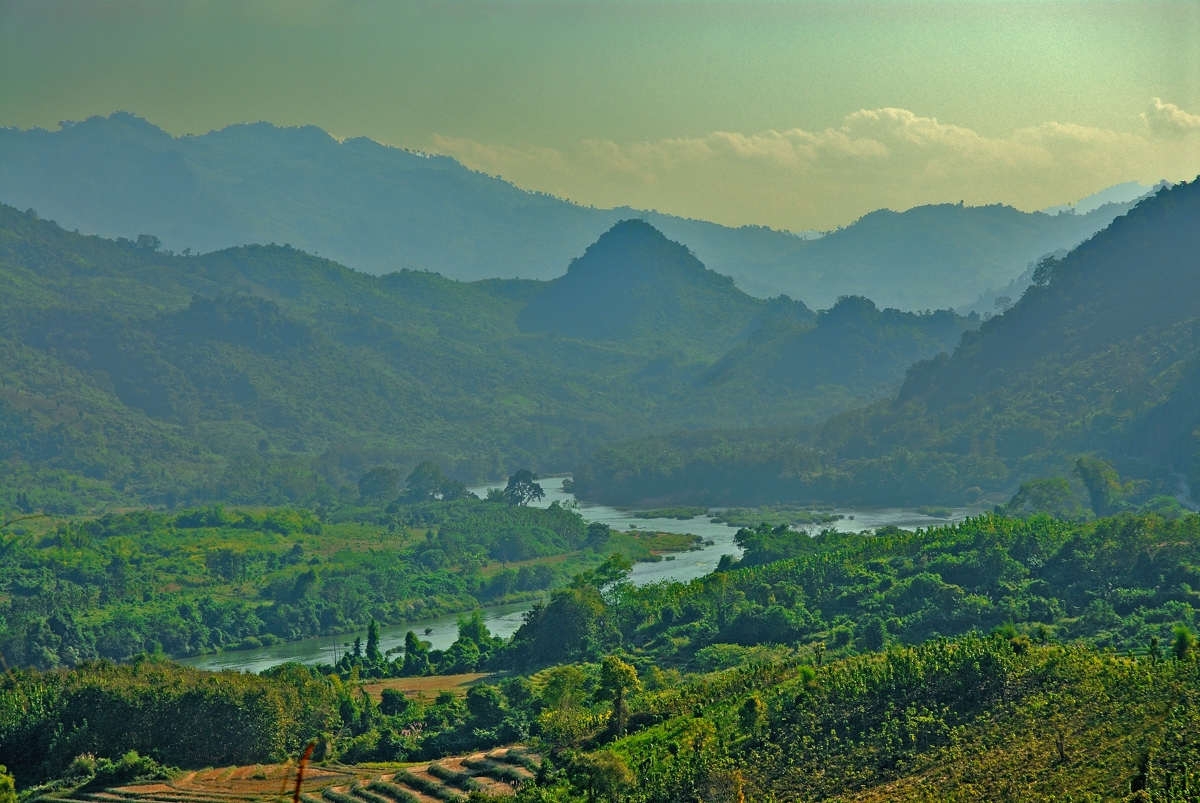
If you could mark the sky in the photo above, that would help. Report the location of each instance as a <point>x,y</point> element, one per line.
<point>796,114</point>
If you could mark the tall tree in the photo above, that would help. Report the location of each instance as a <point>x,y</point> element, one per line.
<point>523,488</point>
<point>374,656</point>
<point>617,679</point>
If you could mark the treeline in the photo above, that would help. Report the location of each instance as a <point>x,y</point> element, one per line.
<point>1124,582</point>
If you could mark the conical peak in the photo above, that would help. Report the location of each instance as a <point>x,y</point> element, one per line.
<point>633,227</point>
<point>635,242</point>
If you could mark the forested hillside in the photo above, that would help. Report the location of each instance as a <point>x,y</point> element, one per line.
<point>1099,357</point>
<point>380,209</point>
<point>266,375</point>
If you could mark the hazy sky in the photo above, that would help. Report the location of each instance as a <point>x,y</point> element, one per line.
<point>792,114</point>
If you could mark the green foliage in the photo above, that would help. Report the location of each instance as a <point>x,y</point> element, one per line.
<point>129,767</point>
<point>209,578</point>
<point>8,787</point>
<point>617,680</point>
<point>574,625</point>
<point>1103,485</point>
<point>766,544</point>
<point>523,488</point>
<point>680,513</point>
<point>1115,582</point>
<point>163,713</point>
<point>380,482</point>
<point>1183,644</point>
<point>427,482</point>
<point>775,515</point>
<point>1052,497</point>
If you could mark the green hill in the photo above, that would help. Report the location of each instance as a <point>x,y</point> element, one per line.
<point>854,344</point>
<point>1099,357</point>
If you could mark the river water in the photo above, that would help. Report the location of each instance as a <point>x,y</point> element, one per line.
<point>505,619</point>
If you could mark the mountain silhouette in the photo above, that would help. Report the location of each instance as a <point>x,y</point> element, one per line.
<point>635,283</point>
<point>379,209</point>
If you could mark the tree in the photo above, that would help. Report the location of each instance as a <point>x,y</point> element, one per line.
<point>8,786</point>
<point>617,679</point>
<point>393,702</point>
<point>380,481</point>
<point>874,634</point>
<point>598,534</point>
<point>563,720</point>
<point>523,488</point>
<point>416,656</point>
<point>574,625</point>
<point>1044,271</point>
<point>485,706</point>
<point>1184,643</point>
<point>427,482</point>
<point>752,715</point>
<point>374,656</point>
<point>614,569</point>
<point>601,774</point>
<point>1103,485</point>
<point>472,628</point>
<point>461,657</point>
<point>1050,496</point>
<point>148,242</point>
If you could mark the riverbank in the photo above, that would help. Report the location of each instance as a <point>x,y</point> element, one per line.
<point>715,540</point>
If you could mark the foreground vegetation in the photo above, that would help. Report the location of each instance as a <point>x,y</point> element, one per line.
<point>836,667</point>
<point>972,719</point>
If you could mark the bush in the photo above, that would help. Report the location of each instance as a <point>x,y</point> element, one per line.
<point>8,786</point>
<point>130,767</point>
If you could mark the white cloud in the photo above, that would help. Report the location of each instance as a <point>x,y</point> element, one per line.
<point>1169,117</point>
<point>889,157</point>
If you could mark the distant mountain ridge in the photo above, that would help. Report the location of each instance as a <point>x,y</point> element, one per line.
<point>379,209</point>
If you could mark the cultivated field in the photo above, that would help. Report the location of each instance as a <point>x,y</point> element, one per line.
<point>495,773</point>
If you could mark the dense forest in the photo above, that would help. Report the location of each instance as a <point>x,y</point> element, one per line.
<point>1098,357</point>
<point>263,375</point>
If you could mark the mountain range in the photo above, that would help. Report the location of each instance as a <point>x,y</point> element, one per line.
<point>262,374</point>
<point>380,209</point>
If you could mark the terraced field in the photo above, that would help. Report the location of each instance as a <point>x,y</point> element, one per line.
<point>496,773</point>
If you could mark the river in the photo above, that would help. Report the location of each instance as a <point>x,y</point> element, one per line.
<point>505,619</point>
